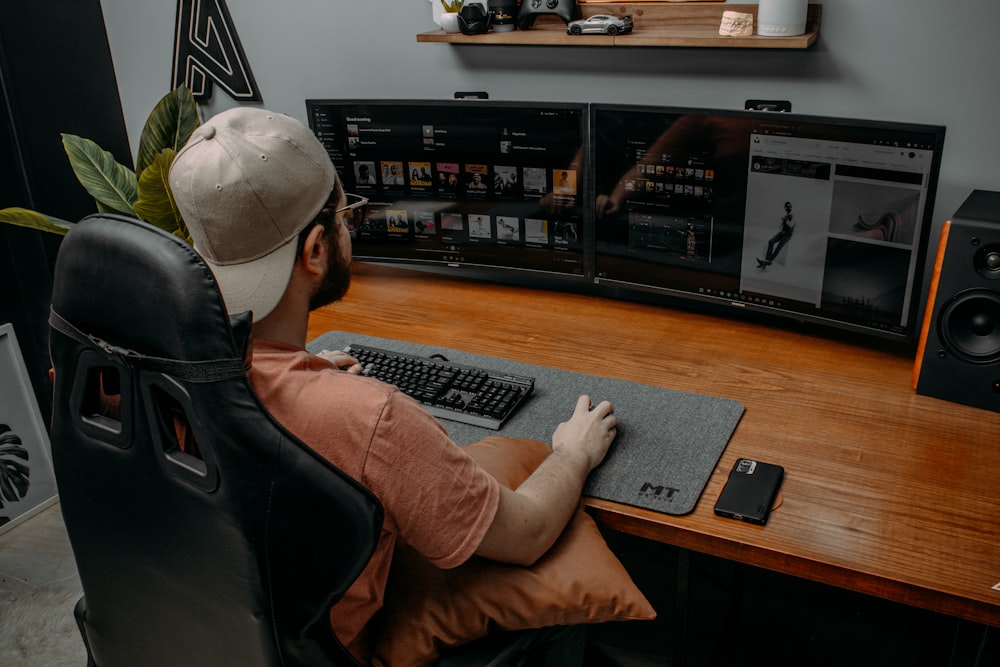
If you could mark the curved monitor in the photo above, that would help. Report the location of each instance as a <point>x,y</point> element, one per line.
<point>823,220</point>
<point>490,187</point>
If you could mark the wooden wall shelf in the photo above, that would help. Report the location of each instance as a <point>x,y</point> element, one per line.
<point>667,24</point>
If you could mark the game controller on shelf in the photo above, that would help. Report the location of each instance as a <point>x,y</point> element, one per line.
<point>567,10</point>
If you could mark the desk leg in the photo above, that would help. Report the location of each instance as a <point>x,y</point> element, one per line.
<point>975,645</point>
<point>682,607</point>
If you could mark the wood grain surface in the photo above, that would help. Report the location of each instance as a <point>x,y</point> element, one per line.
<point>886,492</point>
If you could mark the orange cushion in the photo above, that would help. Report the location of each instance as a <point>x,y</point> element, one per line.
<point>578,581</point>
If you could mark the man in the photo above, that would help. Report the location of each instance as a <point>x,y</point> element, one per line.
<point>267,212</point>
<point>778,241</point>
<point>365,175</point>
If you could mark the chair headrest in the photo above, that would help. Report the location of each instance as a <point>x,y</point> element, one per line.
<point>137,287</point>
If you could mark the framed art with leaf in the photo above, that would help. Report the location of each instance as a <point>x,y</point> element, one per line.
<point>27,481</point>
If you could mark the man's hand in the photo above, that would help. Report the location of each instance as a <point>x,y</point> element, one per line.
<point>529,520</point>
<point>589,432</point>
<point>341,360</point>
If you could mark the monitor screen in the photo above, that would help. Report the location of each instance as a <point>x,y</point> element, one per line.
<point>822,220</point>
<point>494,187</point>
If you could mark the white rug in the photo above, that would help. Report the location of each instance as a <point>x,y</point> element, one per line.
<point>37,629</point>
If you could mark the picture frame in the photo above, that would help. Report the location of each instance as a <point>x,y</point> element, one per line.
<point>27,478</point>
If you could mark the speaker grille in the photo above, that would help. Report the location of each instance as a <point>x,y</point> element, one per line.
<point>987,262</point>
<point>969,326</point>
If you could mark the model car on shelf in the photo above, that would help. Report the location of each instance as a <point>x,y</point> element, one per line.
<point>604,24</point>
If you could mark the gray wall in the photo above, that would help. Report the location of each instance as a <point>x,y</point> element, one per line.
<point>926,61</point>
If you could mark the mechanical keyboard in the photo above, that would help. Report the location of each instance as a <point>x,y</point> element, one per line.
<point>462,393</point>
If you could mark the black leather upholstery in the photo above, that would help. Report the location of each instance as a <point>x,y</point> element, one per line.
<point>225,548</point>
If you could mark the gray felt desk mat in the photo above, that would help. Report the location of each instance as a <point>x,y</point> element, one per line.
<point>665,452</point>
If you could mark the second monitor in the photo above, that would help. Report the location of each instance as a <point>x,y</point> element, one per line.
<point>822,220</point>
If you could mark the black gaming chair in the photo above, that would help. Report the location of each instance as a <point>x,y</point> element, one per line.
<point>204,533</point>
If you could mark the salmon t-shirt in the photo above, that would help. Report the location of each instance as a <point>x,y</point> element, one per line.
<point>435,497</point>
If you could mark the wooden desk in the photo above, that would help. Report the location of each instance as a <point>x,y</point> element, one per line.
<point>886,492</point>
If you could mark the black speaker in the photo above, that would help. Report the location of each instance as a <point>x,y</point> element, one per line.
<point>958,356</point>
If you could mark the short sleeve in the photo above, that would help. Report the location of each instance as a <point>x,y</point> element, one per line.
<point>440,499</point>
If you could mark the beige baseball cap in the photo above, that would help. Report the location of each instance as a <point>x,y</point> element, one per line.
<point>246,183</point>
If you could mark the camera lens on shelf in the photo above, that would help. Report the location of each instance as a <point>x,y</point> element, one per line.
<point>503,15</point>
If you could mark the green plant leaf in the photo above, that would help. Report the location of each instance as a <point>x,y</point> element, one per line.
<point>15,472</point>
<point>105,179</point>
<point>23,217</point>
<point>170,125</point>
<point>156,204</point>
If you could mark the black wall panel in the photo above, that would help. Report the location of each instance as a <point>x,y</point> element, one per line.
<point>56,75</point>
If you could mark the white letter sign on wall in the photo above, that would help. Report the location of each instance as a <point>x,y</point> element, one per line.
<point>207,50</point>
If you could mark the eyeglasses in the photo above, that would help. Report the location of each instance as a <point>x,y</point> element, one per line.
<point>354,210</point>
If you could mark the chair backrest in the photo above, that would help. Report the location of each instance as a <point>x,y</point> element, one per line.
<point>204,533</point>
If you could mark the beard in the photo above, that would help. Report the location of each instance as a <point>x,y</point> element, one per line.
<point>336,280</point>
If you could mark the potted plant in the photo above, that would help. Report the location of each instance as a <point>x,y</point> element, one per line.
<point>448,19</point>
<point>143,193</point>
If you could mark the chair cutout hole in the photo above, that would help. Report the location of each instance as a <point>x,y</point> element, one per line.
<point>177,437</point>
<point>102,398</point>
